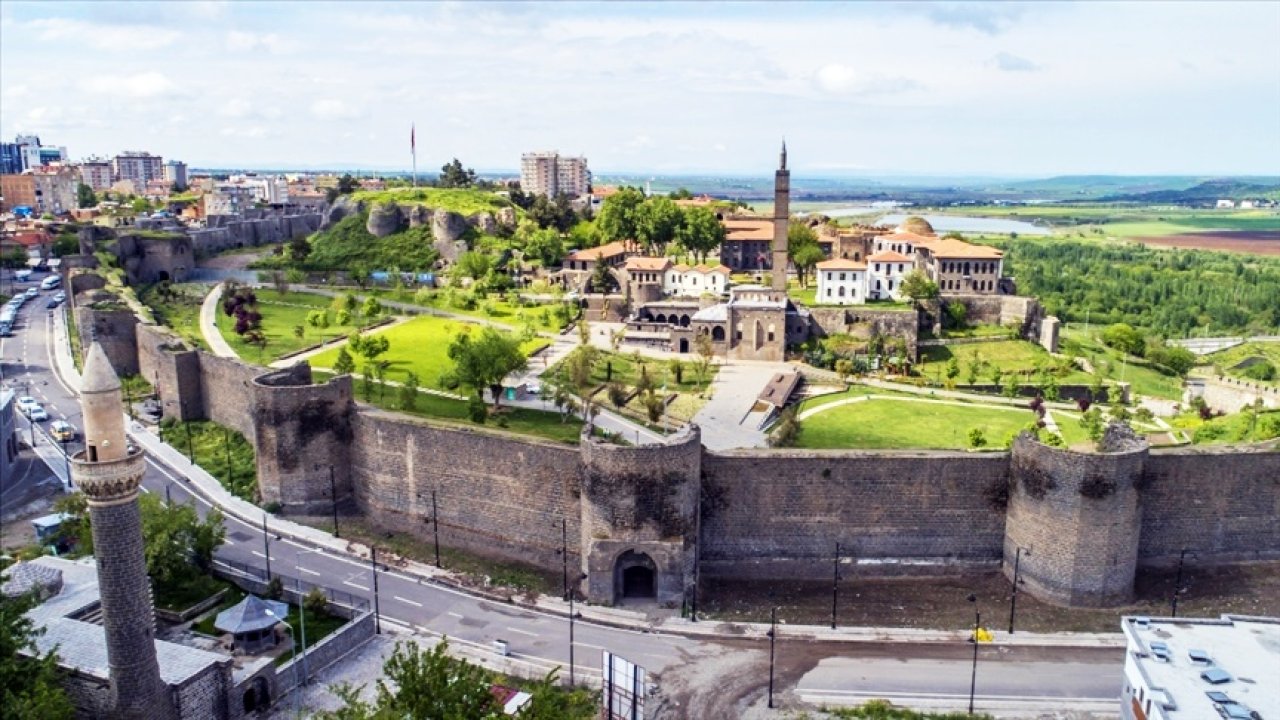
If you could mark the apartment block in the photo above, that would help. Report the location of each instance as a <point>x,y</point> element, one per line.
<point>551,174</point>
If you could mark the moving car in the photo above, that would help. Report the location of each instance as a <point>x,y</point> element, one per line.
<point>53,303</point>
<point>37,414</point>
<point>32,292</point>
<point>25,403</point>
<point>62,431</point>
<point>60,296</point>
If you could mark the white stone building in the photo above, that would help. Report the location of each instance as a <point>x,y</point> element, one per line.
<point>842,282</point>
<point>885,271</point>
<point>696,281</point>
<point>551,174</point>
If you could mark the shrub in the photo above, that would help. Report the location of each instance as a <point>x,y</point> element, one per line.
<point>1261,371</point>
<point>316,602</point>
<point>275,587</point>
<point>617,394</point>
<point>977,438</point>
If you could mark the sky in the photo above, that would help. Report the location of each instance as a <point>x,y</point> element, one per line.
<point>1002,89</point>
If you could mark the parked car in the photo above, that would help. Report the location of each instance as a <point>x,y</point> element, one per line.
<point>62,431</point>
<point>32,292</point>
<point>60,296</point>
<point>53,303</point>
<point>26,402</point>
<point>37,414</point>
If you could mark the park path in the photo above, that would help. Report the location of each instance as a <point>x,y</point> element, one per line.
<point>862,398</point>
<point>209,324</point>
<point>958,395</point>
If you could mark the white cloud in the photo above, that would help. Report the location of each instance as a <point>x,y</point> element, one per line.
<point>1009,62</point>
<point>836,78</point>
<point>239,41</point>
<point>235,108</point>
<point>142,85</point>
<point>331,109</point>
<point>103,36</point>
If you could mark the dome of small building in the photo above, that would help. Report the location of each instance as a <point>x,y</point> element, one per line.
<point>916,224</point>
<point>25,577</point>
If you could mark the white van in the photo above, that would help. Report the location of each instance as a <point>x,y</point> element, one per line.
<point>22,275</point>
<point>50,282</point>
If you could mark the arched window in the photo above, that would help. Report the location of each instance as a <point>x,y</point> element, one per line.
<point>841,293</point>
<point>770,332</point>
<point>717,334</point>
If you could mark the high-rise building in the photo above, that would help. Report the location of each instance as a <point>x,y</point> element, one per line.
<point>109,474</point>
<point>10,159</point>
<point>138,167</point>
<point>96,173</point>
<point>50,189</point>
<point>175,173</point>
<point>551,174</point>
<point>28,151</point>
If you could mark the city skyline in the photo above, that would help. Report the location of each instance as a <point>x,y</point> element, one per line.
<point>918,89</point>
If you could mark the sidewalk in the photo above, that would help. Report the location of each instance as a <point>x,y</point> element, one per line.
<point>209,324</point>
<point>207,486</point>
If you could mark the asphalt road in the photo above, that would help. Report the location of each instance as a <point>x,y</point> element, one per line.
<point>831,673</point>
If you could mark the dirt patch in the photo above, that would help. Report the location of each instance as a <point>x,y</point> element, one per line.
<point>941,603</point>
<point>1256,242</point>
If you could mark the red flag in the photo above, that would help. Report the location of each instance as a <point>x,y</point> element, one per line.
<point>413,146</point>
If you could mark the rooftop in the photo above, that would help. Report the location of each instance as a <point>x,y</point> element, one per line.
<point>888,256</point>
<point>638,262</point>
<point>617,247</point>
<point>1247,649</point>
<point>960,249</point>
<point>841,264</point>
<point>748,230</point>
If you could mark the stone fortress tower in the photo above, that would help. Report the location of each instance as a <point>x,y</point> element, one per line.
<point>781,219</point>
<point>109,476</point>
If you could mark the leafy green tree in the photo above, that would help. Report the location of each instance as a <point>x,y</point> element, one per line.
<point>29,684</point>
<point>453,175</point>
<point>680,194</point>
<point>343,317</point>
<point>85,196</point>
<point>801,240</point>
<point>371,308</point>
<point>676,366</point>
<point>700,232</point>
<point>345,301</point>
<point>917,286</point>
<point>474,265</point>
<point>618,219</point>
<point>347,184</point>
<point>1124,338</point>
<point>657,222</point>
<point>368,346</point>
<point>805,260</point>
<point>977,438</point>
<point>299,331</point>
<point>957,314</point>
<point>580,364</point>
<point>409,392</point>
<point>484,360</point>
<point>177,543</point>
<point>546,246</point>
<point>787,431</point>
<point>953,368</point>
<point>318,319</point>
<point>299,248</point>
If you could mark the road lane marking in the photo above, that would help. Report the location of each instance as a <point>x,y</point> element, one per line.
<point>406,600</point>
<point>579,643</point>
<point>305,570</point>
<point>355,585</point>
<point>453,614</point>
<point>522,632</point>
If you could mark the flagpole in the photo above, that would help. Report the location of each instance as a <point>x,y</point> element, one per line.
<point>413,149</point>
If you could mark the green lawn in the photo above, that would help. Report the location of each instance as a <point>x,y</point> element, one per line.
<point>854,390</point>
<point>1225,359</point>
<point>522,421</point>
<point>623,368</point>
<point>1241,427</point>
<point>280,314</point>
<point>493,307</point>
<point>1011,356</point>
<point>463,201</point>
<point>177,307</point>
<point>1143,378</point>
<point>179,598</point>
<point>892,423</point>
<point>420,345</point>
<point>221,451</point>
<point>319,625</point>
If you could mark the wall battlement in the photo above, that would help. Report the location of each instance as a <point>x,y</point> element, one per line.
<point>647,521</point>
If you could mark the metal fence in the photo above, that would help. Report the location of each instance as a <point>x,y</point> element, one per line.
<point>256,579</point>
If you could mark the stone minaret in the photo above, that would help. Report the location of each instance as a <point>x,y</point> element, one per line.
<point>781,216</point>
<point>109,475</point>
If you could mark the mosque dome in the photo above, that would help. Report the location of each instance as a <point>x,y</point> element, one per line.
<point>916,224</point>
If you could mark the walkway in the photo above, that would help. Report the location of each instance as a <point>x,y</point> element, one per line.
<point>725,419</point>
<point>862,398</point>
<point>209,324</point>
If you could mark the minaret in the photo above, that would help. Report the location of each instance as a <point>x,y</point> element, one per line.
<point>781,216</point>
<point>109,475</point>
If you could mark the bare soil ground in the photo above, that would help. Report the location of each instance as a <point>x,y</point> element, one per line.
<point>1257,242</point>
<point>941,603</point>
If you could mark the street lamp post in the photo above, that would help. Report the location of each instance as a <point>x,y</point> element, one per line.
<point>297,679</point>
<point>773,640</point>
<point>973,677</point>
<point>377,622</point>
<point>573,593</point>
<point>266,546</point>
<point>302,609</point>
<point>333,491</point>
<point>835,585</point>
<point>1017,578</point>
<point>564,555</point>
<point>226,446</point>
<point>435,526</point>
<point>1177,585</point>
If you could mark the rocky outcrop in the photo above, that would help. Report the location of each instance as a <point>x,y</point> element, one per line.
<point>449,231</point>
<point>506,217</point>
<point>342,207</point>
<point>419,215</point>
<point>484,222</point>
<point>384,219</point>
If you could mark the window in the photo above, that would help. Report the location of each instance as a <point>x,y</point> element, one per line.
<point>842,277</point>
<point>828,292</point>
<point>841,291</point>
<point>890,285</point>
<point>877,267</point>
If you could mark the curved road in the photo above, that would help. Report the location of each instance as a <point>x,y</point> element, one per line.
<point>720,677</point>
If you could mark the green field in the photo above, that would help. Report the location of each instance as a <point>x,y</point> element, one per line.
<point>177,306</point>
<point>421,346</point>
<point>1011,356</point>
<point>623,368</point>
<point>1125,221</point>
<point>1226,359</point>
<point>1242,427</point>
<point>280,314</point>
<point>892,423</point>
<point>1143,378</point>
<point>494,306</point>
<point>463,201</point>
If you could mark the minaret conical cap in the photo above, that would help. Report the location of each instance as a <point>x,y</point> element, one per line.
<point>99,376</point>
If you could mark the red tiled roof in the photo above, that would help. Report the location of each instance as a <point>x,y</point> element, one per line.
<point>841,264</point>
<point>617,247</point>
<point>639,262</point>
<point>888,256</point>
<point>748,230</point>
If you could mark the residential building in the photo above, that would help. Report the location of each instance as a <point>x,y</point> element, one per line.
<point>138,167</point>
<point>551,174</point>
<point>697,280</point>
<point>1226,204</point>
<point>8,435</point>
<point>1193,669</point>
<point>49,189</point>
<point>841,282</point>
<point>612,254</point>
<point>959,267</point>
<point>52,155</point>
<point>228,199</point>
<point>747,244</point>
<point>270,189</point>
<point>885,271</point>
<point>28,151</point>
<point>18,191</point>
<point>96,173</point>
<point>175,173</point>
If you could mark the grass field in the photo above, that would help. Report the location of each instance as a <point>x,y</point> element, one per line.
<point>319,625</point>
<point>1011,356</point>
<point>1225,359</point>
<point>221,451</point>
<point>892,423</point>
<point>280,314</point>
<point>497,309</point>
<point>1241,427</point>
<point>179,310</point>
<point>463,201</point>
<point>420,345</point>
<point>1143,378</point>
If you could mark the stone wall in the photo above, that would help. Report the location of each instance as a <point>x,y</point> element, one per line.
<point>1227,394</point>
<point>640,507</point>
<point>329,650</point>
<point>778,514</point>
<point>228,232</point>
<point>152,259</point>
<point>227,394</point>
<point>1077,518</point>
<point>496,495</point>
<point>1219,503</point>
<point>111,325</point>
<point>207,695</point>
<point>166,363</point>
<point>863,321</point>
<point>302,435</point>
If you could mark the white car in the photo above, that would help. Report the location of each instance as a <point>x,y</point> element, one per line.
<point>37,414</point>
<point>25,403</point>
<point>60,297</point>
<point>32,292</point>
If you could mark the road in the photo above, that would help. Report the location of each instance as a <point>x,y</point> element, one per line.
<point>720,677</point>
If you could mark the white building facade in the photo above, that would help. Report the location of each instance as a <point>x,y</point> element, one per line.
<point>842,282</point>
<point>550,173</point>
<point>696,281</point>
<point>885,271</point>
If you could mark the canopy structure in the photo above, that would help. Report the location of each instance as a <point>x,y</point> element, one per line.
<point>251,622</point>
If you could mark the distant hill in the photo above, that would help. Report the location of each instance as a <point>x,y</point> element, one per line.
<point>1207,192</point>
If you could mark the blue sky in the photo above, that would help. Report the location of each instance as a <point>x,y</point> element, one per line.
<point>1000,89</point>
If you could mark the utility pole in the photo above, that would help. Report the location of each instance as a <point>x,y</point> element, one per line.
<point>226,445</point>
<point>773,639</point>
<point>377,622</point>
<point>573,594</point>
<point>835,585</point>
<point>266,546</point>
<point>435,526</point>
<point>564,554</point>
<point>973,677</point>
<point>1013,598</point>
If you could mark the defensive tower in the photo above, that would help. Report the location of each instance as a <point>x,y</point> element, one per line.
<point>781,216</point>
<point>109,474</point>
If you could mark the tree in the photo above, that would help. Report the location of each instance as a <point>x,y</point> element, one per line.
<point>474,265</point>
<point>345,301</point>
<point>299,248</point>
<point>805,260</point>
<point>917,286</point>
<point>801,237</point>
<point>368,346</point>
<point>977,438</point>
<point>343,317</point>
<point>318,319</point>
<point>343,364</point>
<point>177,543</point>
<point>676,365</point>
<point>1124,338</point>
<point>957,314</point>
<point>546,246</point>
<point>601,279</point>
<point>483,361</point>
<point>787,430</point>
<point>299,331</point>
<point>85,196</point>
<point>29,683</point>
<point>702,345</point>
<point>657,222</point>
<point>409,391</point>
<point>700,232</point>
<point>680,194</point>
<point>617,394</point>
<point>618,216</point>
<point>347,184</point>
<point>452,175</point>
<point>580,364</point>
<point>371,308</point>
